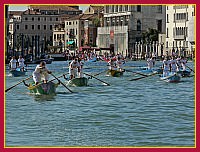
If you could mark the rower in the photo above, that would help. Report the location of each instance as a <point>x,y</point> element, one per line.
<point>119,64</point>
<point>166,63</point>
<point>183,62</point>
<point>41,72</point>
<point>173,65</point>
<point>80,68</point>
<point>111,64</point>
<point>21,63</point>
<point>73,66</point>
<point>13,63</point>
<point>150,63</point>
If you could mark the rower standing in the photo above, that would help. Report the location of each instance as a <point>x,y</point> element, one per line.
<point>173,65</point>
<point>111,64</point>
<point>13,63</point>
<point>21,63</point>
<point>80,68</point>
<point>166,66</point>
<point>119,64</point>
<point>150,63</point>
<point>73,67</point>
<point>183,62</point>
<point>41,73</point>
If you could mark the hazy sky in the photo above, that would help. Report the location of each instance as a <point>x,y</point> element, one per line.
<point>24,7</point>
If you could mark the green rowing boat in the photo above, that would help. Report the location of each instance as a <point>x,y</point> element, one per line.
<point>115,73</point>
<point>43,88</point>
<point>78,82</point>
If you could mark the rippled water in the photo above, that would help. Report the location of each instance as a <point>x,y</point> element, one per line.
<point>147,112</point>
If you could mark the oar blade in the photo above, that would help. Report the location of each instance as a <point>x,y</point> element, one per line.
<point>18,83</point>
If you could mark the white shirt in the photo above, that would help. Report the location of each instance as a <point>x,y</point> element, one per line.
<point>13,63</point>
<point>150,63</point>
<point>166,65</point>
<point>39,70</point>
<point>21,62</point>
<point>173,65</point>
<point>74,64</point>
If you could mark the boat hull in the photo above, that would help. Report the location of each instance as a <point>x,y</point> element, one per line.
<point>44,88</point>
<point>184,73</point>
<point>17,73</point>
<point>78,82</point>
<point>171,78</point>
<point>115,73</point>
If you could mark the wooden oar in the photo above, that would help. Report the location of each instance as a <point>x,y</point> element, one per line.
<point>137,73</point>
<point>97,79</point>
<point>100,73</point>
<point>62,83</point>
<point>190,68</point>
<point>18,83</point>
<point>142,77</point>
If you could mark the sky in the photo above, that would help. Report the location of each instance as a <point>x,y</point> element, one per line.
<point>25,7</point>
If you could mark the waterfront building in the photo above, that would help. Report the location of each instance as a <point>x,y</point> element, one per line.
<point>180,30</point>
<point>34,33</point>
<point>81,30</point>
<point>124,26</point>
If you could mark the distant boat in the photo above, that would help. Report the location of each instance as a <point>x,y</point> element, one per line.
<point>184,73</point>
<point>115,73</point>
<point>78,82</point>
<point>171,77</point>
<point>94,59</point>
<point>17,72</point>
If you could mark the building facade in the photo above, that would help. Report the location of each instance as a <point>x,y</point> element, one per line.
<point>180,29</point>
<point>34,32</point>
<point>125,24</point>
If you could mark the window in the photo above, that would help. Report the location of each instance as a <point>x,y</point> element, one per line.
<point>56,19</point>
<point>50,18</point>
<point>120,8</point>
<point>167,18</point>
<point>32,27</point>
<point>138,8</point>
<point>26,18</point>
<point>107,9</point>
<point>138,25</point>
<point>70,23</point>
<point>26,27</point>
<point>159,9</point>
<point>167,33</point>
<point>32,18</point>
<point>159,25</point>
<point>38,27</point>
<point>116,8</point>
<point>38,18</point>
<point>45,27</point>
<point>51,27</point>
<point>17,26</point>
<point>126,8</point>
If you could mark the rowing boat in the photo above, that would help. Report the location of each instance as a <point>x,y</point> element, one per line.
<point>171,77</point>
<point>184,73</point>
<point>17,72</point>
<point>146,70</point>
<point>43,88</point>
<point>78,82</point>
<point>115,73</point>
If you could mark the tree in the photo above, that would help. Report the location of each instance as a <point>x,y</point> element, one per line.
<point>150,35</point>
<point>96,22</point>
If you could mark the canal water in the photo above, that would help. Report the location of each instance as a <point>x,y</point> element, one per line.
<point>147,112</point>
